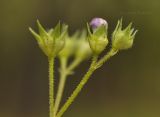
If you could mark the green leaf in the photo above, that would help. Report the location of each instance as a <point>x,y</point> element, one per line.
<point>117,26</point>
<point>128,28</point>
<point>133,35</point>
<point>83,34</point>
<point>57,30</point>
<point>37,37</point>
<point>89,31</point>
<point>120,24</point>
<point>76,34</point>
<point>42,31</point>
<point>50,31</point>
<point>65,31</point>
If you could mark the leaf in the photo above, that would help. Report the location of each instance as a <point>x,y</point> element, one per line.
<point>42,31</point>
<point>133,35</point>
<point>89,31</point>
<point>65,31</point>
<point>37,37</point>
<point>128,28</point>
<point>57,30</point>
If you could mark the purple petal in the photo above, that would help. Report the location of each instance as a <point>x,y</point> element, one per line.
<point>97,22</point>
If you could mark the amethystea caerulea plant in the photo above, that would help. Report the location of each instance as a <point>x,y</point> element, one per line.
<point>57,43</point>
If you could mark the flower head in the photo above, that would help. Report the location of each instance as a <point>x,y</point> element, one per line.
<point>123,39</point>
<point>51,42</point>
<point>98,38</point>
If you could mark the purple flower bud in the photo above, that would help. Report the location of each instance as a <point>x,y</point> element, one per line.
<point>97,22</point>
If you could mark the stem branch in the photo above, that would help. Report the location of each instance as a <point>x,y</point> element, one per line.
<point>78,88</point>
<point>63,76</point>
<point>111,53</point>
<point>51,86</point>
<point>61,85</point>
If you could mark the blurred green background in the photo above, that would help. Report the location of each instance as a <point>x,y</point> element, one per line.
<point>127,86</point>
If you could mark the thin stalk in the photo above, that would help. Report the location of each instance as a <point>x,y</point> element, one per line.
<point>73,65</point>
<point>63,76</point>
<point>51,86</point>
<point>61,85</point>
<point>111,53</point>
<point>78,88</point>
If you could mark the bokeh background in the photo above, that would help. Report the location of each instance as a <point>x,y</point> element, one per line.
<point>127,86</point>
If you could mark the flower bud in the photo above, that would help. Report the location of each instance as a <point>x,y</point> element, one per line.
<point>51,42</point>
<point>68,49</point>
<point>97,22</point>
<point>98,39</point>
<point>82,49</point>
<point>123,39</point>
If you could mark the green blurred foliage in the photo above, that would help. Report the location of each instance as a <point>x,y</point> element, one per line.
<point>127,86</point>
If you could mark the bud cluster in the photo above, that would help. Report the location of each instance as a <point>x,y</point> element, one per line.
<point>123,39</point>
<point>77,46</point>
<point>56,41</point>
<point>80,46</point>
<point>98,35</point>
<point>51,42</point>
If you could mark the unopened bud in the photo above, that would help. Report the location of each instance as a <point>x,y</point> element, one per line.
<point>123,39</point>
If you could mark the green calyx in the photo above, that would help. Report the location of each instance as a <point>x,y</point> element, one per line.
<point>77,46</point>
<point>68,49</point>
<point>51,42</point>
<point>123,39</point>
<point>82,50</point>
<point>98,39</point>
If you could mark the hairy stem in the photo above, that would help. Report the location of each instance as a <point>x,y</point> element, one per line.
<point>62,80</point>
<point>73,65</point>
<point>78,88</point>
<point>51,86</point>
<point>63,76</point>
<point>111,53</point>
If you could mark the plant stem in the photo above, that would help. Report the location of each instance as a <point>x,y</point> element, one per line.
<point>63,76</point>
<point>111,53</point>
<point>51,86</point>
<point>78,88</point>
<point>73,65</point>
<point>61,86</point>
